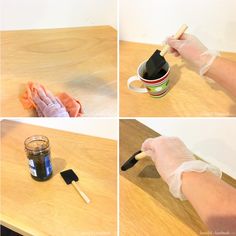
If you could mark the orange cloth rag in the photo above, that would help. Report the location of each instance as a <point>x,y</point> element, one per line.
<point>72,105</point>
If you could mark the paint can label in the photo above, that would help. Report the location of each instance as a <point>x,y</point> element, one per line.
<point>48,166</point>
<point>32,168</point>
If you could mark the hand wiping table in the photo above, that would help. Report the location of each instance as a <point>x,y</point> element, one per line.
<point>47,105</point>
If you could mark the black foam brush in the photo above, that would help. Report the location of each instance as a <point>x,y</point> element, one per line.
<point>70,177</point>
<point>154,65</point>
<point>133,160</point>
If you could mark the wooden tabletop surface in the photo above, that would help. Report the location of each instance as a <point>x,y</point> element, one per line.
<point>52,207</point>
<point>79,61</point>
<point>146,205</point>
<point>189,94</point>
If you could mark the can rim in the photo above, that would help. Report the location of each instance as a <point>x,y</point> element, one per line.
<point>34,138</point>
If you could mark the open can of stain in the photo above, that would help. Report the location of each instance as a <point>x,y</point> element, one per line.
<point>156,87</point>
<point>38,153</point>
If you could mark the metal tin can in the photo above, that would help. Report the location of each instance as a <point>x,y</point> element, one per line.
<point>38,152</point>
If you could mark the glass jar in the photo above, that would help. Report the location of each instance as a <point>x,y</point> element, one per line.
<point>38,152</point>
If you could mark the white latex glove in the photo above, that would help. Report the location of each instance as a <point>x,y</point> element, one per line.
<point>167,153</point>
<point>171,158</point>
<point>48,105</point>
<point>193,51</point>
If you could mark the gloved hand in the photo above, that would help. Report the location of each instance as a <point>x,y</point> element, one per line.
<point>193,51</point>
<point>47,105</point>
<point>167,153</point>
<point>171,158</point>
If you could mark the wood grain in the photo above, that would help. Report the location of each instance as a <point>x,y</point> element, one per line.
<point>146,204</point>
<point>52,207</point>
<point>79,61</point>
<point>189,95</point>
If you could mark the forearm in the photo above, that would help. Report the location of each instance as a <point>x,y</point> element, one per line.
<point>213,199</point>
<point>223,71</point>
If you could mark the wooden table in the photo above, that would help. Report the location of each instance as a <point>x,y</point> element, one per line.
<point>79,61</point>
<point>146,205</point>
<point>52,207</point>
<point>189,95</point>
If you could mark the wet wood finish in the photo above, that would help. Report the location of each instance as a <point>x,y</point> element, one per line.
<point>52,207</point>
<point>146,204</point>
<point>189,94</point>
<point>79,61</point>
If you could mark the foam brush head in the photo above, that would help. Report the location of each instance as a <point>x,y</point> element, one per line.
<point>69,176</point>
<point>155,64</point>
<point>130,162</point>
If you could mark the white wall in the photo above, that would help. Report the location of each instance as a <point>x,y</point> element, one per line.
<point>104,128</point>
<point>151,21</point>
<point>211,139</point>
<point>38,14</point>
